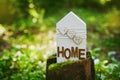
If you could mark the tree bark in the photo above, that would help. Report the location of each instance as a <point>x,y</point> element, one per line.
<point>77,70</point>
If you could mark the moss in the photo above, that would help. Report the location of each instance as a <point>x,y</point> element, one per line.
<point>51,57</point>
<point>59,66</point>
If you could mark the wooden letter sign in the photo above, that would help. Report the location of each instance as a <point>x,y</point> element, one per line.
<point>71,38</point>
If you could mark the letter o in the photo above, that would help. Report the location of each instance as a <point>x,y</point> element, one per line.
<point>67,49</point>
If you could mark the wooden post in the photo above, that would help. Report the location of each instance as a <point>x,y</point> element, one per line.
<point>78,70</point>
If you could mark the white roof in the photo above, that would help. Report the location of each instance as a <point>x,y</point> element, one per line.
<point>71,21</point>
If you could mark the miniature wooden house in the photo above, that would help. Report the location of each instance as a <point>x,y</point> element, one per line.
<point>71,38</point>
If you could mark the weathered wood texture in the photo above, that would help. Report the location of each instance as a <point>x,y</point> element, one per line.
<point>79,70</point>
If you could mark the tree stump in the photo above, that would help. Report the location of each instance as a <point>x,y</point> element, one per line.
<point>70,70</point>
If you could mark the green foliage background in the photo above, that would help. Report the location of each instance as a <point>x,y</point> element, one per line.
<point>27,35</point>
